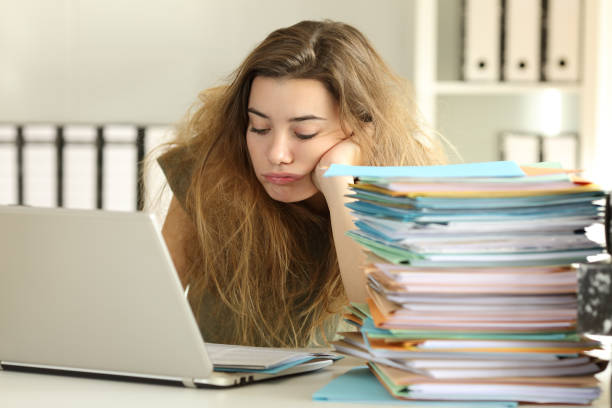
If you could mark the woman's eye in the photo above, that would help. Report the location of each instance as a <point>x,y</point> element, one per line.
<point>305,137</point>
<point>259,131</point>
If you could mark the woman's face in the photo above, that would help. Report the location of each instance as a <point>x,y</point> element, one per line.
<point>292,123</point>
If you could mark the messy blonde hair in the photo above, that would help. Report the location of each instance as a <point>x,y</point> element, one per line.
<point>274,264</point>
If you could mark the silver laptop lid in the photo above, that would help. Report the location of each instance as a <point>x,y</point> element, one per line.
<point>93,291</point>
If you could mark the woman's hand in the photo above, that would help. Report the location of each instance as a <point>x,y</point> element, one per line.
<point>334,190</point>
<point>343,152</point>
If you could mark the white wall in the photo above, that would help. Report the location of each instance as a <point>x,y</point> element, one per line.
<point>144,61</point>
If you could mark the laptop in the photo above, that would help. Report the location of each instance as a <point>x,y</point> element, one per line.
<point>95,293</point>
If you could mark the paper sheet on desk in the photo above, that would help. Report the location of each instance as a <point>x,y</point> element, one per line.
<point>234,358</point>
<point>360,385</point>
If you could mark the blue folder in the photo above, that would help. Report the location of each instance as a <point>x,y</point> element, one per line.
<point>486,169</point>
<point>360,385</point>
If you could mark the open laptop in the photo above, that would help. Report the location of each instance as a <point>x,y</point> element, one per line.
<point>96,293</point>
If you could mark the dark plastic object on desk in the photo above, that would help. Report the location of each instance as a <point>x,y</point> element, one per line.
<point>595,298</point>
<point>607,225</point>
<point>595,290</point>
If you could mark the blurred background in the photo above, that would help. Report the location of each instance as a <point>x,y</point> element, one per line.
<point>87,88</point>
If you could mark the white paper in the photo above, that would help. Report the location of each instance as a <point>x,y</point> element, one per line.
<point>227,355</point>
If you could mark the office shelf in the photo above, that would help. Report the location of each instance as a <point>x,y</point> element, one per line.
<point>472,114</point>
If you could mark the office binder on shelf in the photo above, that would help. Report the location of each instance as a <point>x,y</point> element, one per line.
<point>79,167</point>
<point>8,165</point>
<point>562,39</point>
<point>562,148</point>
<point>156,198</point>
<point>119,168</point>
<point>40,170</point>
<point>157,135</point>
<point>481,40</point>
<point>520,147</point>
<point>522,40</point>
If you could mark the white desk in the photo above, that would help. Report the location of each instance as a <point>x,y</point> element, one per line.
<point>26,390</point>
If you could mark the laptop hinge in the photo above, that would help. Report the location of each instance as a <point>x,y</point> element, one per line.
<point>188,382</point>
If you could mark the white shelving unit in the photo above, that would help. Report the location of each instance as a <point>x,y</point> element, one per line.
<point>500,88</point>
<point>441,98</point>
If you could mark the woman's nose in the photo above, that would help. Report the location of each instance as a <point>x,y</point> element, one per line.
<point>280,151</point>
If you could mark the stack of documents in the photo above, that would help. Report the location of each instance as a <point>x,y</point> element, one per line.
<point>472,296</point>
<point>266,360</point>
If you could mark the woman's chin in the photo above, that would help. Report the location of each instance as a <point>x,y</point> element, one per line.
<point>287,195</point>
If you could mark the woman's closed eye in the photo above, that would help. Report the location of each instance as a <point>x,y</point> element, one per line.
<point>303,136</point>
<point>259,131</point>
<point>305,132</point>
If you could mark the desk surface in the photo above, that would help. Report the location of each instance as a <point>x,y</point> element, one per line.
<point>36,390</point>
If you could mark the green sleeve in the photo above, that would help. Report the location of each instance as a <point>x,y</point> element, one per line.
<point>177,166</point>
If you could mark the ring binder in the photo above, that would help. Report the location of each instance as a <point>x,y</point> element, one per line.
<point>8,165</point>
<point>522,40</point>
<point>79,167</point>
<point>520,147</point>
<point>561,40</point>
<point>562,148</point>
<point>119,190</point>
<point>153,179</point>
<point>482,39</point>
<point>39,166</point>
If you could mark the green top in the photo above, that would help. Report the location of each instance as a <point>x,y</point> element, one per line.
<point>212,319</point>
<point>177,169</point>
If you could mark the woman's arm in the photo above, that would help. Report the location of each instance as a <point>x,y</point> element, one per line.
<point>351,258</point>
<point>177,230</point>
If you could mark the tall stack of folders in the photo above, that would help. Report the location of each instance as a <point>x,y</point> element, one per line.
<point>471,292</point>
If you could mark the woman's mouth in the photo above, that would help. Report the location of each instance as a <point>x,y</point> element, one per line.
<point>282,178</point>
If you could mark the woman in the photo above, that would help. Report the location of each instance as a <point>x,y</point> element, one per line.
<point>254,229</point>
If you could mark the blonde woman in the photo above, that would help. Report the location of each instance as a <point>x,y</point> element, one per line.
<point>254,229</point>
